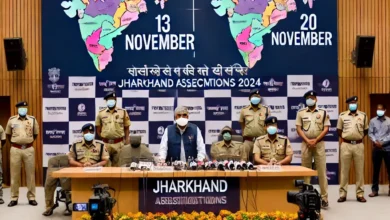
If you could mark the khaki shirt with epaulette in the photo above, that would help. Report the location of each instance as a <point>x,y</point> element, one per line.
<point>279,148</point>
<point>89,153</point>
<point>221,150</point>
<point>353,126</point>
<point>113,123</point>
<point>312,122</point>
<point>22,129</point>
<point>254,120</point>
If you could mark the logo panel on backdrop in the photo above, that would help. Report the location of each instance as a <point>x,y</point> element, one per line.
<point>157,55</point>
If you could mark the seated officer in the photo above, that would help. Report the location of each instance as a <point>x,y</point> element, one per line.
<point>88,152</point>
<point>135,152</point>
<point>182,140</point>
<point>272,148</point>
<point>224,149</point>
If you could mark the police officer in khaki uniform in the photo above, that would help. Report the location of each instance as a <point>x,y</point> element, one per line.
<point>312,126</point>
<point>227,148</point>
<point>3,140</point>
<point>252,120</point>
<point>21,131</point>
<point>352,126</point>
<point>88,152</point>
<point>272,148</point>
<point>112,125</point>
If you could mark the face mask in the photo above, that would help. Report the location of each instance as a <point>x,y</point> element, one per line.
<point>353,107</point>
<point>111,103</point>
<point>272,130</point>
<point>89,136</point>
<point>227,136</point>
<point>310,102</point>
<point>182,121</point>
<point>22,111</point>
<point>255,100</point>
<point>380,113</point>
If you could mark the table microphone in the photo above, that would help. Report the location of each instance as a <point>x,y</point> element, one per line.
<point>250,166</point>
<point>220,166</point>
<point>133,166</point>
<point>244,165</point>
<point>237,166</point>
<point>231,165</point>
<point>201,165</point>
<point>193,165</point>
<point>207,165</point>
<point>214,164</point>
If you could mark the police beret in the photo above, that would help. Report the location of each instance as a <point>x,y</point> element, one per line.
<point>254,91</point>
<point>21,104</point>
<point>109,95</point>
<point>271,120</point>
<point>88,126</point>
<point>310,93</point>
<point>227,128</point>
<point>353,98</point>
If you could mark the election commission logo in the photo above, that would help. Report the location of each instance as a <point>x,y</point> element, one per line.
<point>81,108</point>
<point>325,86</point>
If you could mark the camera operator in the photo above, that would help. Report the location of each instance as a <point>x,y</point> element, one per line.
<point>88,152</point>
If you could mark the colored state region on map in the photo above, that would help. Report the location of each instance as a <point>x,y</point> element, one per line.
<point>100,21</point>
<point>250,20</point>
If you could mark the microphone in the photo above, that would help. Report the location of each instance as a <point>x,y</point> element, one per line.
<point>220,166</point>
<point>201,165</point>
<point>133,166</point>
<point>214,164</point>
<point>207,165</point>
<point>250,166</point>
<point>193,165</point>
<point>237,166</point>
<point>244,165</point>
<point>231,165</point>
<point>226,164</point>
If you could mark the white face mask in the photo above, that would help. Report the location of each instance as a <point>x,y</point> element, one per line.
<point>182,121</point>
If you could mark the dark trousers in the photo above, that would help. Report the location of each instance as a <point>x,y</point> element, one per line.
<point>377,156</point>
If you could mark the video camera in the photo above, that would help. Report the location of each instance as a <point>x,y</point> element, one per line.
<point>308,199</point>
<point>101,203</point>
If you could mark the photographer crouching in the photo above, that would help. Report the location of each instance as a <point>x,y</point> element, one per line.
<point>308,199</point>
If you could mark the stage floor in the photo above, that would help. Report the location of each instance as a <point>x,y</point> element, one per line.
<point>376,207</point>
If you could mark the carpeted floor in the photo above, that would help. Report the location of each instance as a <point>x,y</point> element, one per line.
<point>377,208</point>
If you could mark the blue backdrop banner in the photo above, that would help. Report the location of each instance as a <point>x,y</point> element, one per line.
<point>203,54</point>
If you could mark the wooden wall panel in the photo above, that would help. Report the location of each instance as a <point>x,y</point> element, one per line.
<point>22,18</point>
<point>361,17</point>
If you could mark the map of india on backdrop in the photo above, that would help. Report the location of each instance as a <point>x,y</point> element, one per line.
<point>203,54</point>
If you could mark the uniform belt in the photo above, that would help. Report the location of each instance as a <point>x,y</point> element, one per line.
<point>112,141</point>
<point>24,146</point>
<point>352,142</point>
<point>250,138</point>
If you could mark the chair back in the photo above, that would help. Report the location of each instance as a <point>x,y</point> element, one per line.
<point>58,161</point>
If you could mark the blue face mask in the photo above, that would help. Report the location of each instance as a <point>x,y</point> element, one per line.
<point>227,136</point>
<point>310,102</point>
<point>272,130</point>
<point>22,111</point>
<point>111,103</point>
<point>353,107</point>
<point>89,136</point>
<point>380,113</point>
<point>255,100</point>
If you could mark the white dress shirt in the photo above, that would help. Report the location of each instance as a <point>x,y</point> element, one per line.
<point>200,146</point>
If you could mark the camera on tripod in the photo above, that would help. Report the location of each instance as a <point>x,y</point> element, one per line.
<point>101,203</point>
<point>308,199</point>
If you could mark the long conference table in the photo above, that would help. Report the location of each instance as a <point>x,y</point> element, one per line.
<point>259,190</point>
